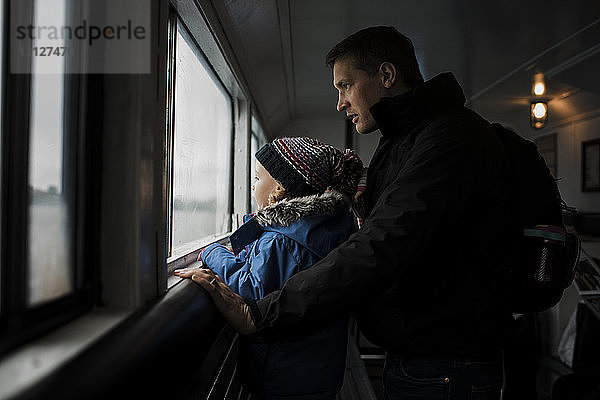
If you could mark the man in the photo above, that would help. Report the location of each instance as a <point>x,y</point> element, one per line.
<point>424,273</point>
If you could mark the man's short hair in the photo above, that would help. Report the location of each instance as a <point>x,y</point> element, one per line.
<point>370,47</point>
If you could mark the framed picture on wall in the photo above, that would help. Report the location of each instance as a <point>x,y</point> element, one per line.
<point>590,166</point>
<point>547,147</point>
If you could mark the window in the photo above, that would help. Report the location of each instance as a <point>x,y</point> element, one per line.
<point>202,148</point>
<point>43,283</point>
<point>49,261</point>
<point>208,138</point>
<point>257,140</point>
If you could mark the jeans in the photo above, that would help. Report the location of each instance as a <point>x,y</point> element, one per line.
<point>432,379</point>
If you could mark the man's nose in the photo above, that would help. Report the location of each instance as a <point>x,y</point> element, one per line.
<point>342,104</point>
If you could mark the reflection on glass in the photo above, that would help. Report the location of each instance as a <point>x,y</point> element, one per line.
<point>202,148</point>
<point>50,268</point>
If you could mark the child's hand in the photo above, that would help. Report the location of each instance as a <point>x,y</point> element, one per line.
<point>188,272</point>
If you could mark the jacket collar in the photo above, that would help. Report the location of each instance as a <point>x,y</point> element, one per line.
<point>400,114</point>
<point>284,213</point>
<point>287,211</point>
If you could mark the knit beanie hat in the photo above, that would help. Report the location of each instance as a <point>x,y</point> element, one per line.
<point>306,166</point>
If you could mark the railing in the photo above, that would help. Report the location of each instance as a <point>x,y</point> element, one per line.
<point>168,349</point>
<point>177,348</point>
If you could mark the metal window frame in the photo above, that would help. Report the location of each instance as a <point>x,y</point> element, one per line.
<point>170,122</point>
<point>18,322</point>
<point>171,134</point>
<point>196,18</point>
<point>256,131</point>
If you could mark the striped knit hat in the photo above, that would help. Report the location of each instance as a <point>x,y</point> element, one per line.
<point>306,166</point>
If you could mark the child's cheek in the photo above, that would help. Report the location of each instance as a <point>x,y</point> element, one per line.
<point>259,205</point>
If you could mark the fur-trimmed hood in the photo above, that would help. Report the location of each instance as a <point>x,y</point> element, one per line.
<point>316,222</point>
<point>287,211</point>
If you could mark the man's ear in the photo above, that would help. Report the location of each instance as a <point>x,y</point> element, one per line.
<point>387,72</point>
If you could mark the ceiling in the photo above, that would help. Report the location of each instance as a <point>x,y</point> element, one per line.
<point>493,48</point>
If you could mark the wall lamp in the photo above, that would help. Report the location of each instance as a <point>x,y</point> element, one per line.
<point>538,113</point>
<point>539,86</point>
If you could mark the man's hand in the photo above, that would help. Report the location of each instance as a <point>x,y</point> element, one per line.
<point>233,308</point>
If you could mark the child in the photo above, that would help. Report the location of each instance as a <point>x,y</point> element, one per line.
<point>302,189</point>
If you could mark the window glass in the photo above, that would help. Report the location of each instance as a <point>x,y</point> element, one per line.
<point>257,141</point>
<point>50,268</point>
<point>202,143</point>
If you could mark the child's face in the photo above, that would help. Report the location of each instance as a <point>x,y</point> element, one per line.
<point>264,185</point>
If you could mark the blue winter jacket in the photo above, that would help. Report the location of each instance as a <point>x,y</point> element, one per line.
<point>279,241</point>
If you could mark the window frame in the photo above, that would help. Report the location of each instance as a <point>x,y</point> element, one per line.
<point>174,20</point>
<point>256,131</point>
<point>19,322</point>
<point>217,53</point>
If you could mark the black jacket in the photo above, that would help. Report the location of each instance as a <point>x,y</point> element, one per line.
<point>425,272</point>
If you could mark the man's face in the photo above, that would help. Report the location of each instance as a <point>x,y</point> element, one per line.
<point>357,92</point>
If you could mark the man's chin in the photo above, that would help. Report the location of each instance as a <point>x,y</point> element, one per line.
<point>364,130</point>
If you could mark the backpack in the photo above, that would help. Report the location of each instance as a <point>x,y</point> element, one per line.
<point>545,254</point>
